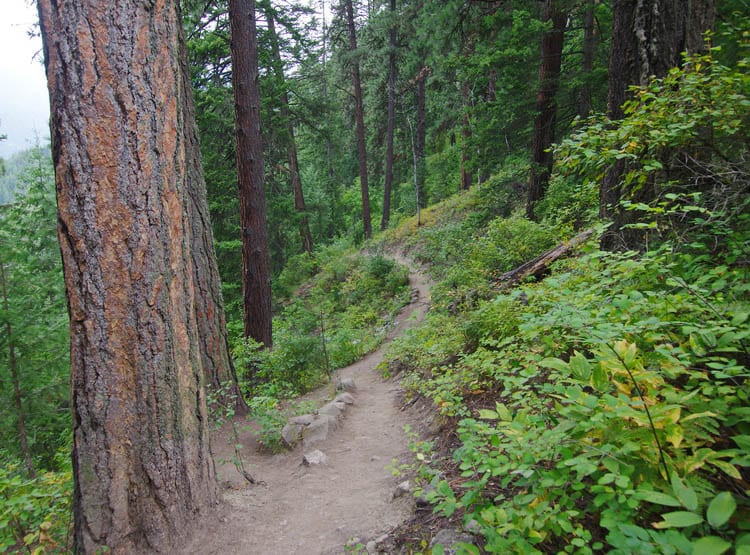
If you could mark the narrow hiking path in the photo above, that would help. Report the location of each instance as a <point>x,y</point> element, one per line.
<point>300,509</point>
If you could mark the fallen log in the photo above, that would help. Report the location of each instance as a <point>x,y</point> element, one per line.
<point>541,263</point>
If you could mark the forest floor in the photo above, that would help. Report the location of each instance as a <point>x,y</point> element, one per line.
<point>318,509</point>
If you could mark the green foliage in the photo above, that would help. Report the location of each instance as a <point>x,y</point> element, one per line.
<point>683,139</point>
<point>327,322</point>
<point>35,514</point>
<point>37,314</point>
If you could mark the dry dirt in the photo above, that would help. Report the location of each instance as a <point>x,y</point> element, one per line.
<point>298,509</point>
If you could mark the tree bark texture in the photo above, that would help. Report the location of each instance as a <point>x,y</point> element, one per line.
<point>291,149</point>
<point>119,102</point>
<point>648,39</point>
<point>256,261</point>
<point>546,105</point>
<point>391,118</point>
<point>359,116</point>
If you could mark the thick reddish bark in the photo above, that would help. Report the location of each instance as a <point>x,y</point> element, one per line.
<point>291,149</point>
<point>359,116</point>
<point>256,261</point>
<point>119,109</point>
<point>546,105</point>
<point>390,124</point>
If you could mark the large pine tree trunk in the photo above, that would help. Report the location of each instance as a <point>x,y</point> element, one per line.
<point>546,105</point>
<point>390,124</point>
<point>648,38</point>
<point>359,116</point>
<point>291,149</point>
<point>256,261</point>
<point>119,109</point>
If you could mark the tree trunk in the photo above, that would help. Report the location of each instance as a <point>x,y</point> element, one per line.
<point>291,148</point>
<point>391,120</point>
<point>256,262</point>
<point>648,38</point>
<point>589,43</point>
<point>221,376</point>
<point>119,108</point>
<point>359,116</point>
<point>466,134</point>
<point>17,397</point>
<point>421,125</point>
<point>546,105</point>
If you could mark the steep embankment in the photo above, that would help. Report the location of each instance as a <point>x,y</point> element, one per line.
<point>316,509</point>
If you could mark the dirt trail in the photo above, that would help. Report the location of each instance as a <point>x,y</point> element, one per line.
<point>318,509</point>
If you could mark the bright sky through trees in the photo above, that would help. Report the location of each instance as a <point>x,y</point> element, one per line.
<point>24,104</point>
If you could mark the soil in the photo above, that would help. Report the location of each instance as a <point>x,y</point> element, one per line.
<point>299,509</point>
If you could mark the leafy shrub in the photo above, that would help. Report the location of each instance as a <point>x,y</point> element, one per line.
<point>35,513</point>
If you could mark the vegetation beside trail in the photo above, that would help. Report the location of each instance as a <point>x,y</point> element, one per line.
<point>605,407</point>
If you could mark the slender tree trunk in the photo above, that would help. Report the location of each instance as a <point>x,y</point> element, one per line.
<point>648,38</point>
<point>221,376</point>
<point>256,263</point>
<point>421,131</point>
<point>391,120</point>
<point>291,149</point>
<point>17,398</point>
<point>359,116</point>
<point>546,105</point>
<point>141,463</point>
<point>589,45</point>
<point>466,134</point>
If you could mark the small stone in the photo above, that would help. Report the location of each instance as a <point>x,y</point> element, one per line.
<point>292,433</point>
<point>402,489</point>
<point>304,419</point>
<point>473,527</point>
<point>314,457</point>
<point>347,384</point>
<point>374,458</point>
<point>371,547</point>
<point>333,408</point>
<point>448,538</point>
<point>346,398</point>
<point>317,431</point>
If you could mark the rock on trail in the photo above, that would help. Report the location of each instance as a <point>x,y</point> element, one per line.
<point>342,490</point>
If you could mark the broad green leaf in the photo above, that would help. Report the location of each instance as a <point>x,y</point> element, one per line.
<point>743,442</point>
<point>710,545</point>
<point>657,497</point>
<point>554,363</point>
<point>678,519</point>
<point>721,509</point>
<point>727,468</point>
<point>503,413</point>
<point>684,493</point>
<point>487,414</point>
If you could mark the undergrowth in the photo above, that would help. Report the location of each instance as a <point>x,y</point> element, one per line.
<point>604,408</point>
